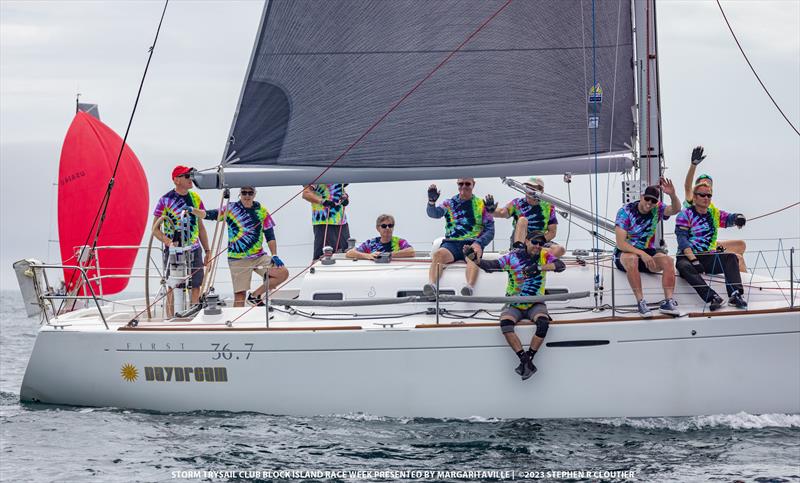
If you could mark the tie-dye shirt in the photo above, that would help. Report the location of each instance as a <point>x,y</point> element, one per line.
<point>246,227</point>
<point>540,216</point>
<point>172,205</point>
<point>699,231</point>
<point>321,215</point>
<point>515,263</point>
<point>465,219</point>
<point>640,227</point>
<point>375,246</point>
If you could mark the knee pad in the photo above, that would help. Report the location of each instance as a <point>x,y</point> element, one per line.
<point>506,326</point>
<point>542,325</point>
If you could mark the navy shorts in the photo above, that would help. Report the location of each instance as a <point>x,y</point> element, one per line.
<point>642,266</point>
<point>456,247</point>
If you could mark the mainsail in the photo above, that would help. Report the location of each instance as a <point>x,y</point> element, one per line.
<point>513,100</point>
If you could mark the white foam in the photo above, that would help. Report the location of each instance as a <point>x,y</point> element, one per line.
<point>733,421</point>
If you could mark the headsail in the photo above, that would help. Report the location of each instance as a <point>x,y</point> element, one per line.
<point>88,156</point>
<point>515,95</point>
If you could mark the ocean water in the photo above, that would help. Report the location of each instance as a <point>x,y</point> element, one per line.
<point>49,443</point>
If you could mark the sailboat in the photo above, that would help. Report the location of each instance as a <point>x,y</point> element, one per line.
<point>345,91</point>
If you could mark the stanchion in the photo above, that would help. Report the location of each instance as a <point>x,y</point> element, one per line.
<point>438,276</point>
<point>266,294</point>
<point>791,277</point>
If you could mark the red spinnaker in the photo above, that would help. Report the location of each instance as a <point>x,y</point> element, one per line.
<point>87,162</point>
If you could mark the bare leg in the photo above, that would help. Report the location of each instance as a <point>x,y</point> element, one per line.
<point>439,259</point>
<point>277,275</point>
<point>631,264</point>
<point>472,274</point>
<point>737,247</point>
<point>170,308</point>
<point>521,230</point>
<point>513,341</point>
<point>195,295</point>
<point>238,299</point>
<point>666,265</point>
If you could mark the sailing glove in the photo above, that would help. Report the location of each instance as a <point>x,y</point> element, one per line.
<point>345,201</point>
<point>739,220</point>
<point>699,268</point>
<point>697,155</point>
<point>277,261</point>
<point>470,253</point>
<point>518,245</point>
<point>329,204</point>
<point>532,270</point>
<point>433,194</point>
<point>489,203</point>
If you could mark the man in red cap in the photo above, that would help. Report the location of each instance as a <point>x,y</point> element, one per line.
<point>181,228</point>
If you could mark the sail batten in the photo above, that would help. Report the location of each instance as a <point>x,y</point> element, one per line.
<point>324,71</point>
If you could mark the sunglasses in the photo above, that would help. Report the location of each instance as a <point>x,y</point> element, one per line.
<point>464,183</point>
<point>703,195</point>
<point>650,199</point>
<point>537,242</point>
<point>387,225</point>
<point>187,176</point>
<point>247,193</point>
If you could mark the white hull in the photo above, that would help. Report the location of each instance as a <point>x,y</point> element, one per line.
<point>696,364</point>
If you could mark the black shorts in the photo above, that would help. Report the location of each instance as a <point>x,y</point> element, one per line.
<point>197,267</point>
<point>328,235</point>
<point>642,266</point>
<point>456,247</point>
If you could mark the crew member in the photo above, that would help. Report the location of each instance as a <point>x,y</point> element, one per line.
<point>249,225</point>
<point>182,228</point>
<point>526,269</point>
<point>385,243</point>
<point>468,221</point>
<point>635,230</point>
<point>696,228</point>
<point>328,218</point>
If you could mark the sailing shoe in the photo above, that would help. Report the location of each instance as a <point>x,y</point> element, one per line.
<point>253,300</point>
<point>466,290</point>
<point>429,290</point>
<point>528,369</point>
<point>716,303</point>
<point>737,300</point>
<point>644,310</point>
<point>669,307</point>
<point>522,360</point>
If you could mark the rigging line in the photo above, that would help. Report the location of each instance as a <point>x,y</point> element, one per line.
<point>613,104</point>
<point>725,17</point>
<point>101,212</point>
<point>773,212</point>
<point>401,100</point>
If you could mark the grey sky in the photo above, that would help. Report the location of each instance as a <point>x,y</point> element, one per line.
<point>51,50</point>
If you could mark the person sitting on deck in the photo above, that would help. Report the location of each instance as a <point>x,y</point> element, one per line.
<point>737,247</point>
<point>385,243</point>
<point>181,228</point>
<point>526,277</point>
<point>635,230</point>
<point>696,228</point>
<point>468,221</point>
<point>249,224</point>
<point>532,214</point>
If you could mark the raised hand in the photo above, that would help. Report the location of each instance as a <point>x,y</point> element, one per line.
<point>490,203</point>
<point>433,193</point>
<point>667,186</point>
<point>697,155</point>
<point>345,200</point>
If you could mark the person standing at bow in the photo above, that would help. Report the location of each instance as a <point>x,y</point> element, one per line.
<point>328,218</point>
<point>734,246</point>
<point>532,214</point>
<point>249,225</point>
<point>526,269</point>
<point>696,228</point>
<point>181,228</point>
<point>636,252</point>
<point>468,221</point>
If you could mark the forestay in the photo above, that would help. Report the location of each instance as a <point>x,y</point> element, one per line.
<point>513,100</point>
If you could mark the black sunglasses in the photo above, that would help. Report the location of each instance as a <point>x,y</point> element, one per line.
<point>651,199</point>
<point>537,243</point>
<point>187,176</point>
<point>247,193</point>
<point>387,225</point>
<point>703,195</point>
<point>464,183</point>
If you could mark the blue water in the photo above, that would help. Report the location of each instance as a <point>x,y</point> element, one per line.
<point>47,443</point>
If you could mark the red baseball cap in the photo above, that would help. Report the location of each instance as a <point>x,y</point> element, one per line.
<point>180,170</point>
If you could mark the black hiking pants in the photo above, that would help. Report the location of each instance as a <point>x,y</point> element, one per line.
<point>721,262</point>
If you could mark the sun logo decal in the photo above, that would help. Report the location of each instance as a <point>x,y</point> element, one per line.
<point>129,372</point>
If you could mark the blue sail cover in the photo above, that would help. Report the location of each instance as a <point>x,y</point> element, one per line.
<point>324,71</point>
